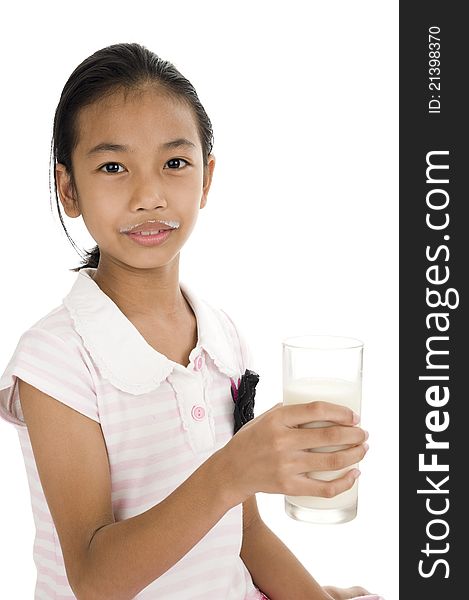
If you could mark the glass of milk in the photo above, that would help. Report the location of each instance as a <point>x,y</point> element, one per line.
<point>329,368</point>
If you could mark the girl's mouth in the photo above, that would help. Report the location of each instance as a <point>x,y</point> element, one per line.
<point>149,238</point>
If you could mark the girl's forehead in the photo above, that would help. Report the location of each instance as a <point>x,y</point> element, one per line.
<point>136,115</point>
<point>141,96</point>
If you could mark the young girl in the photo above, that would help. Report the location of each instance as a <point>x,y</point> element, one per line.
<point>123,396</point>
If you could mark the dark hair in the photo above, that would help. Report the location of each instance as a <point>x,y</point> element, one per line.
<point>124,67</point>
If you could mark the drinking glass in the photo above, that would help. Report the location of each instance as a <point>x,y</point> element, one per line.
<point>327,368</point>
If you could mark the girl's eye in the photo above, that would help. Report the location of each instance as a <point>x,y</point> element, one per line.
<point>173,160</point>
<point>113,165</point>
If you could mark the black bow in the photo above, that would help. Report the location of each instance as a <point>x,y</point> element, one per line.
<point>243,398</point>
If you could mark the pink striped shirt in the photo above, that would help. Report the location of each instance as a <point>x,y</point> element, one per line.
<point>160,421</point>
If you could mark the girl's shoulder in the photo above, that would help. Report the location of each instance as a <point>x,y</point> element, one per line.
<point>49,355</point>
<point>222,332</point>
<point>57,323</point>
<point>54,332</point>
<point>239,340</point>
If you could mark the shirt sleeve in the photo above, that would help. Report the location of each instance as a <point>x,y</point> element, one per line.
<point>52,365</point>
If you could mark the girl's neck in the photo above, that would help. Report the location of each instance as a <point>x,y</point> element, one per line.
<point>151,293</point>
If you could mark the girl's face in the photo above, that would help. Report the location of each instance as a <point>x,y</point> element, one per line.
<point>117,188</point>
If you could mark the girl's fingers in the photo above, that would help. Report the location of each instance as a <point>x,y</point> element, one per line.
<point>329,461</point>
<point>299,414</point>
<point>344,593</point>
<point>318,437</point>
<point>305,486</point>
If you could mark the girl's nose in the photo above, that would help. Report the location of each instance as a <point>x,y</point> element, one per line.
<point>148,195</point>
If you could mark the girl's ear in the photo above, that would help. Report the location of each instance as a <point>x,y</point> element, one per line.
<point>207,179</point>
<point>64,189</point>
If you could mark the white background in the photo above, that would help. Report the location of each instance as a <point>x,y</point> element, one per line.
<point>299,235</point>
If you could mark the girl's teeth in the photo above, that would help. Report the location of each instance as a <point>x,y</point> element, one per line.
<point>150,232</point>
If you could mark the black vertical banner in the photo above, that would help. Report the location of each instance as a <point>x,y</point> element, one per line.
<point>434,335</point>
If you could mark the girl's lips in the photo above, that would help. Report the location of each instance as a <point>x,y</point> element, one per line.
<point>150,240</point>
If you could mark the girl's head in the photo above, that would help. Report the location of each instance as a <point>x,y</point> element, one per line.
<point>133,102</point>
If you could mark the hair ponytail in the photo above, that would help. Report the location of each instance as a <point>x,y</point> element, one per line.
<point>91,259</point>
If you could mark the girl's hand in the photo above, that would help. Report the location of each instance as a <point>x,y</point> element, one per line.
<point>271,454</point>
<point>345,593</point>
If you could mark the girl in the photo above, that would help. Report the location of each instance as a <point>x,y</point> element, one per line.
<point>122,395</point>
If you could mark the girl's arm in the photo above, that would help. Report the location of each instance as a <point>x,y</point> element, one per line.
<point>279,574</point>
<point>106,559</point>
<point>274,569</point>
<point>126,556</point>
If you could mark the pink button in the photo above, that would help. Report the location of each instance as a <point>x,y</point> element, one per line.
<point>198,363</point>
<point>198,413</point>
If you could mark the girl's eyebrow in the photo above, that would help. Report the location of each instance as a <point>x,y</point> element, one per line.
<point>111,147</point>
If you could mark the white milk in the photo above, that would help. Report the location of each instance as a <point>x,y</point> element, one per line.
<point>337,391</point>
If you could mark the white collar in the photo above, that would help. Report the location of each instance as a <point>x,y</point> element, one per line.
<point>123,355</point>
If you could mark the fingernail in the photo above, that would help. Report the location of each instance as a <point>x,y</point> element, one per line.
<point>356,473</point>
<point>367,435</point>
<point>366,447</point>
<point>356,418</point>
